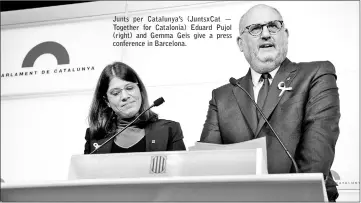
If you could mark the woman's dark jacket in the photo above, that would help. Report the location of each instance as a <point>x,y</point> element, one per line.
<point>161,135</point>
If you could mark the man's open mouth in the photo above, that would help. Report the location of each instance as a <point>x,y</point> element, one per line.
<point>266,46</point>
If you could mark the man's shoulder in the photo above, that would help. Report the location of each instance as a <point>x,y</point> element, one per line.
<point>227,87</point>
<point>315,66</point>
<point>224,87</point>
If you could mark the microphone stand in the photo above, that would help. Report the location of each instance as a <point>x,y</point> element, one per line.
<point>234,82</point>
<point>156,103</point>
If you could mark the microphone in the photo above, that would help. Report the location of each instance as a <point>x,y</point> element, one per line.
<point>157,102</point>
<point>235,83</point>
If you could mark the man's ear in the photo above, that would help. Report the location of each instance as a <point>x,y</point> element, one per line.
<point>288,34</point>
<point>240,43</point>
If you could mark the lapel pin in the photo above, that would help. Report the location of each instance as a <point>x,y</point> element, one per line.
<point>282,87</point>
<point>153,141</point>
<point>288,78</point>
<point>96,145</point>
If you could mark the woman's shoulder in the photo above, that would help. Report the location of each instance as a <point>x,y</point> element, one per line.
<point>94,134</point>
<point>87,134</point>
<point>165,122</point>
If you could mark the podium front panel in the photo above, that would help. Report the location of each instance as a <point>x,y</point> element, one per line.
<point>276,188</point>
<point>166,164</point>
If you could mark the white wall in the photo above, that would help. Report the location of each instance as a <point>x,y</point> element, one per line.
<point>43,118</point>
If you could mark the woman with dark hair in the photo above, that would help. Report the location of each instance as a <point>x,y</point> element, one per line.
<point>120,96</point>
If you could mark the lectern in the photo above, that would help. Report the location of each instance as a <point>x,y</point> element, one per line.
<point>207,176</point>
<point>168,164</point>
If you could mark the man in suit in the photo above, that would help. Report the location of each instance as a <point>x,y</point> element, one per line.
<point>300,100</point>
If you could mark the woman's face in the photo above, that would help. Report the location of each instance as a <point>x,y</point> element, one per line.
<point>124,97</point>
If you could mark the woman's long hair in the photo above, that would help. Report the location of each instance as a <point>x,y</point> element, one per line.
<point>101,117</point>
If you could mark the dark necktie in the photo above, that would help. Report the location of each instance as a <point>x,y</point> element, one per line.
<point>262,95</point>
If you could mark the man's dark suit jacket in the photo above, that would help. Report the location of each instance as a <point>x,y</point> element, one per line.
<point>305,118</point>
<point>161,135</point>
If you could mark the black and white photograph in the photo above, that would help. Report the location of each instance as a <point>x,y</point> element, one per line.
<point>180,101</point>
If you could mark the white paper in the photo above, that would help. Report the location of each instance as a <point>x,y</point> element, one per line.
<point>251,144</point>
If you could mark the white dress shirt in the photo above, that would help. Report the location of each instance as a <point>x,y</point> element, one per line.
<point>257,85</point>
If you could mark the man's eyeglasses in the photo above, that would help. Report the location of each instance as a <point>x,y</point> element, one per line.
<point>129,89</point>
<point>256,29</point>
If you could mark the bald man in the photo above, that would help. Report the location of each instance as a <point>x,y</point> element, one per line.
<point>300,101</point>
